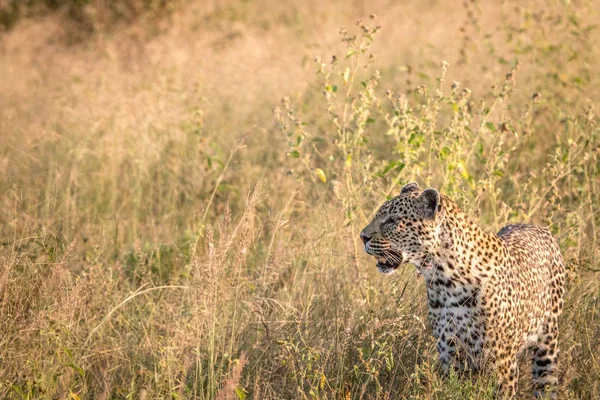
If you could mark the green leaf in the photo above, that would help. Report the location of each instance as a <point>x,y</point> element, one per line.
<point>77,369</point>
<point>444,152</point>
<point>370,120</point>
<point>241,393</point>
<point>20,391</point>
<point>334,88</point>
<point>573,19</point>
<point>389,167</point>
<point>480,148</point>
<point>294,154</point>
<point>491,126</point>
<point>416,138</point>
<point>395,166</point>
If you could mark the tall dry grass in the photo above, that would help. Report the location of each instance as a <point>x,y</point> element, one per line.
<point>171,228</point>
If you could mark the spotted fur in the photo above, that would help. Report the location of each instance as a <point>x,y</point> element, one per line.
<point>491,296</point>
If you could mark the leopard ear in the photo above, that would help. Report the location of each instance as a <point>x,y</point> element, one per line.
<point>430,202</point>
<point>410,187</point>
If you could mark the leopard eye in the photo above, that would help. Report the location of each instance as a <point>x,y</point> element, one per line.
<point>391,221</point>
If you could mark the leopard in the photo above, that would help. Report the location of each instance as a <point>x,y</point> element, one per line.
<point>491,297</point>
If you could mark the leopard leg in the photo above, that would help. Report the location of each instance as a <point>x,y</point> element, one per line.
<point>508,373</point>
<point>446,347</point>
<point>544,363</point>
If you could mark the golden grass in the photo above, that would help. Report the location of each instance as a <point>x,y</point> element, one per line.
<point>171,228</point>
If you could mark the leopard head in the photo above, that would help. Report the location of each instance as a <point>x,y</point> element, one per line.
<point>405,229</point>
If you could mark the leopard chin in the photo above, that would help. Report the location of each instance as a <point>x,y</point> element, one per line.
<point>386,270</point>
<point>386,265</point>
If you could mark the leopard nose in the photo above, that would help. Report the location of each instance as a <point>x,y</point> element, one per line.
<point>364,237</point>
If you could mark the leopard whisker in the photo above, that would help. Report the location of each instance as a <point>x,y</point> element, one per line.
<point>393,257</point>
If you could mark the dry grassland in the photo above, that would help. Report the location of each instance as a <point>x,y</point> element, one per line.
<point>171,228</point>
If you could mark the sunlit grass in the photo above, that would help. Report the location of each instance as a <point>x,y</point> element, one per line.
<point>171,229</point>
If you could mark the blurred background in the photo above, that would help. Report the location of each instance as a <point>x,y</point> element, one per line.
<point>183,184</point>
